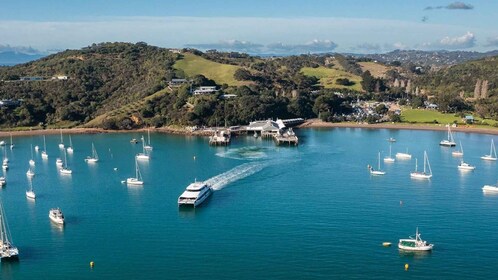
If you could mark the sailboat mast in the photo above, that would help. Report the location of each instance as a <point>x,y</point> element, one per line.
<point>425,160</point>
<point>378,167</point>
<point>148,135</point>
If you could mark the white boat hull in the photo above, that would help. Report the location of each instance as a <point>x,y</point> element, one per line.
<point>389,160</point>
<point>488,157</point>
<point>142,157</point>
<point>30,195</point>
<point>91,160</point>
<point>44,155</point>
<point>447,143</point>
<point>61,146</point>
<point>377,173</point>
<point>70,150</point>
<point>403,156</point>
<point>196,202</point>
<point>134,181</point>
<point>457,154</point>
<point>490,189</point>
<point>466,167</point>
<point>57,220</point>
<point>418,175</point>
<point>416,249</point>
<point>66,171</point>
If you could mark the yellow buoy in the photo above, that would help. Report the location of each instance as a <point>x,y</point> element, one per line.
<point>406,266</point>
<point>92,264</point>
<point>386,244</point>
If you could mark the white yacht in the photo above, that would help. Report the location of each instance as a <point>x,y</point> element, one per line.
<point>195,194</point>
<point>450,142</point>
<point>465,166</point>
<point>391,139</point>
<point>70,148</point>
<point>2,143</point>
<point>30,173</point>
<point>148,147</point>
<point>94,158</point>
<point>137,180</point>
<point>492,153</point>
<point>143,155</point>
<point>389,159</point>
<point>414,244</point>
<point>37,148</point>
<point>2,181</point>
<point>7,249</point>
<point>59,162</point>
<point>490,189</point>
<point>56,216</point>
<point>403,155</point>
<point>11,143</point>
<point>378,171</point>
<point>65,169</point>
<point>5,165</point>
<point>30,193</point>
<point>427,173</point>
<point>458,153</point>
<point>44,154</point>
<point>61,144</point>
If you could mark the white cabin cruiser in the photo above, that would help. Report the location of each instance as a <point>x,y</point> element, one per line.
<point>56,216</point>
<point>195,194</point>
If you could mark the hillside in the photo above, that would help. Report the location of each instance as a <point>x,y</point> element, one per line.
<point>192,65</point>
<point>328,77</point>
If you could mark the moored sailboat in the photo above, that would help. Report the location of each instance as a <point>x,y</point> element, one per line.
<point>143,155</point>
<point>44,154</point>
<point>378,171</point>
<point>492,153</point>
<point>403,155</point>
<point>30,193</point>
<point>94,158</point>
<point>61,144</point>
<point>389,159</point>
<point>7,249</point>
<point>450,142</point>
<point>458,153</point>
<point>427,173</point>
<point>137,180</point>
<point>148,146</point>
<point>65,169</point>
<point>70,148</point>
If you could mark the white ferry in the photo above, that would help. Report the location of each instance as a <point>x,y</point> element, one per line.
<point>195,194</point>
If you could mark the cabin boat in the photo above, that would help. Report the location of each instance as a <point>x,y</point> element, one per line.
<point>195,194</point>
<point>490,189</point>
<point>414,244</point>
<point>465,166</point>
<point>56,216</point>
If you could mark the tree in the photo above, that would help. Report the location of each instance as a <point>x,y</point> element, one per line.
<point>368,81</point>
<point>381,109</point>
<point>242,74</point>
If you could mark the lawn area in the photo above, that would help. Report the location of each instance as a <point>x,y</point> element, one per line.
<point>428,116</point>
<point>221,73</point>
<point>377,70</point>
<point>328,77</point>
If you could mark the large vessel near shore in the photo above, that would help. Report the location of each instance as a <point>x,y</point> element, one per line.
<point>414,244</point>
<point>195,194</point>
<point>7,249</point>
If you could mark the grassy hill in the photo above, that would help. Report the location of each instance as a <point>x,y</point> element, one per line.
<point>376,69</point>
<point>192,65</point>
<point>328,77</point>
<point>429,116</point>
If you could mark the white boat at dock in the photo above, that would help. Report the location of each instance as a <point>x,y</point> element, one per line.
<point>427,173</point>
<point>414,244</point>
<point>7,249</point>
<point>56,216</point>
<point>195,194</point>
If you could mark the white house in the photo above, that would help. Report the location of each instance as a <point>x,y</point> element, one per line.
<point>205,90</point>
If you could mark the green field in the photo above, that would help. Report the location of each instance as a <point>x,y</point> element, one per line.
<point>328,76</point>
<point>221,73</point>
<point>428,116</point>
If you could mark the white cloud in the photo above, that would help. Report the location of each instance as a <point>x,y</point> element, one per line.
<point>465,41</point>
<point>182,31</point>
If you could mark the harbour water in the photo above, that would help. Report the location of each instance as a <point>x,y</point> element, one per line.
<point>307,212</point>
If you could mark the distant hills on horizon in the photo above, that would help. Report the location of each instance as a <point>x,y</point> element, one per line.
<point>427,58</point>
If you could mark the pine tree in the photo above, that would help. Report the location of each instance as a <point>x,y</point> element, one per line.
<point>484,89</point>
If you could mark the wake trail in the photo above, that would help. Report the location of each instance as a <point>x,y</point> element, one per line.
<point>220,181</point>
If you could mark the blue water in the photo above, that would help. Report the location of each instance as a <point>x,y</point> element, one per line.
<point>311,212</point>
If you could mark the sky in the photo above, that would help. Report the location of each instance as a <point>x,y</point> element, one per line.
<point>252,26</point>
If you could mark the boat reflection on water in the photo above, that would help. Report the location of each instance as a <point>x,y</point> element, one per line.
<point>415,254</point>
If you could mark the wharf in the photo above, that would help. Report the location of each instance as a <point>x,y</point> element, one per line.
<point>220,138</point>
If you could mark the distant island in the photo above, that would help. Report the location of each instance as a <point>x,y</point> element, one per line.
<point>122,86</point>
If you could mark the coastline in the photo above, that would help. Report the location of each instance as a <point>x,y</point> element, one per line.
<point>317,123</point>
<point>310,123</point>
